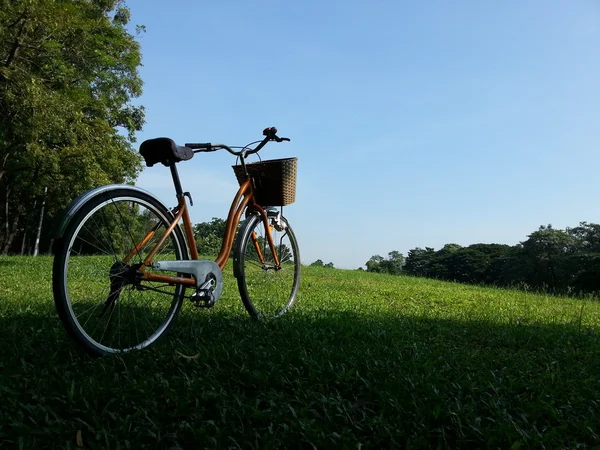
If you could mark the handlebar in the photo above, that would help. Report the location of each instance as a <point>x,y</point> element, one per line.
<point>269,133</point>
<point>208,147</point>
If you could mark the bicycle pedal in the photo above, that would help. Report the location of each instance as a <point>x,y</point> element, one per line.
<point>203,298</point>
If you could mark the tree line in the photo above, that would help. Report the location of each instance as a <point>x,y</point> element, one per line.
<point>555,260</point>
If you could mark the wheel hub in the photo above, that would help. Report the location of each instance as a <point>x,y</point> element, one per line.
<point>120,275</point>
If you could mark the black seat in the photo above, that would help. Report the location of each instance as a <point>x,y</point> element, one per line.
<point>164,150</point>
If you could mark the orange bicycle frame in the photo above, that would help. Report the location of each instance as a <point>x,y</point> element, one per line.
<point>244,198</point>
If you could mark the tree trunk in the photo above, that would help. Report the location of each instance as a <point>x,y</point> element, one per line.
<point>10,229</point>
<point>25,247</point>
<point>6,210</point>
<point>3,168</point>
<point>23,242</point>
<point>36,248</point>
<point>11,235</point>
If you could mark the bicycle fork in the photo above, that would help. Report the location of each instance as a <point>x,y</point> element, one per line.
<point>268,229</point>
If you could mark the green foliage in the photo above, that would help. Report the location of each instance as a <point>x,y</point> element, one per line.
<point>68,75</point>
<point>392,265</point>
<point>566,261</point>
<point>418,261</point>
<point>319,263</point>
<point>209,236</point>
<point>362,361</point>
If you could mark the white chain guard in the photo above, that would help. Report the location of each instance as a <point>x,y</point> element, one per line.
<point>199,269</point>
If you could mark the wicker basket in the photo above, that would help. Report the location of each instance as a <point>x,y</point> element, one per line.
<point>274,180</point>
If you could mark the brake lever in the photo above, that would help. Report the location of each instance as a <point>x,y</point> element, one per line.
<point>271,134</point>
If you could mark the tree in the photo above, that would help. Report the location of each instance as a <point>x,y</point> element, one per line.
<point>209,236</point>
<point>374,263</point>
<point>466,265</point>
<point>392,265</point>
<point>496,257</point>
<point>68,75</point>
<point>584,264</point>
<point>418,261</point>
<point>319,263</point>
<point>548,248</point>
<point>587,237</point>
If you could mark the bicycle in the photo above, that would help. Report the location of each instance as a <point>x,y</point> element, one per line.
<point>122,263</point>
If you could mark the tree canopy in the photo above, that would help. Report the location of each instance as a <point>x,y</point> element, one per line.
<point>209,236</point>
<point>320,263</point>
<point>68,77</point>
<point>562,261</point>
<point>393,264</point>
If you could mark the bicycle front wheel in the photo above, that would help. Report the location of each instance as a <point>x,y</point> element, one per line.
<point>268,286</point>
<point>99,295</point>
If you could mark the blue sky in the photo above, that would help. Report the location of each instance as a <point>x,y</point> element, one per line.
<point>415,123</point>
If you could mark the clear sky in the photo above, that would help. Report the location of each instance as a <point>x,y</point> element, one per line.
<point>415,123</point>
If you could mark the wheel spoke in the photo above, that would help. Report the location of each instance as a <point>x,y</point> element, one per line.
<point>105,234</point>
<point>268,291</point>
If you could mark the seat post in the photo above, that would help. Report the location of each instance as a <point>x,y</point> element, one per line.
<point>176,181</point>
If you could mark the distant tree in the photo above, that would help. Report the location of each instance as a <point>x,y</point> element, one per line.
<point>547,249</point>
<point>496,257</point>
<point>374,263</point>
<point>392,265</point>
<point>584,265</point>
<point>585,272</point>
<point>419,260</point>
<point>587,237</point>
<point>449,248</point>
<point>209,236</point>
<point>319,263</point>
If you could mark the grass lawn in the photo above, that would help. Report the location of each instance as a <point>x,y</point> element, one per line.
<point>362,361</point>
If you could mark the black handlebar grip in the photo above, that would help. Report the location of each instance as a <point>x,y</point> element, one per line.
<point>203,147</point>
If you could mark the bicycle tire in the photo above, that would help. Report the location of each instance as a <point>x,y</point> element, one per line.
<point>104,228</point>
<point>267,292</point>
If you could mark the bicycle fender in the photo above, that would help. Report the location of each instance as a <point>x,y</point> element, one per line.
<point>77,203</point>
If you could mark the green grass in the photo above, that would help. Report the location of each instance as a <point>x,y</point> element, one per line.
<point>362,361</point>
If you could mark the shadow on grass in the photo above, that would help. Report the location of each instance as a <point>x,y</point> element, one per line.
<point>332,380</point>
<point>4,262</point>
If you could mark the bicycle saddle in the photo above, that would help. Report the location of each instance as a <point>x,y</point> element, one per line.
<point>164,150</point>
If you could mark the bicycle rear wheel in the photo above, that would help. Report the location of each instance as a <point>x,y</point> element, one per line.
<point>267,289</point>
<point>99,296</point>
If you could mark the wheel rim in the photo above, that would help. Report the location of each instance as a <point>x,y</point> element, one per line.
<point>111,308</point>
<point>271,290</point>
